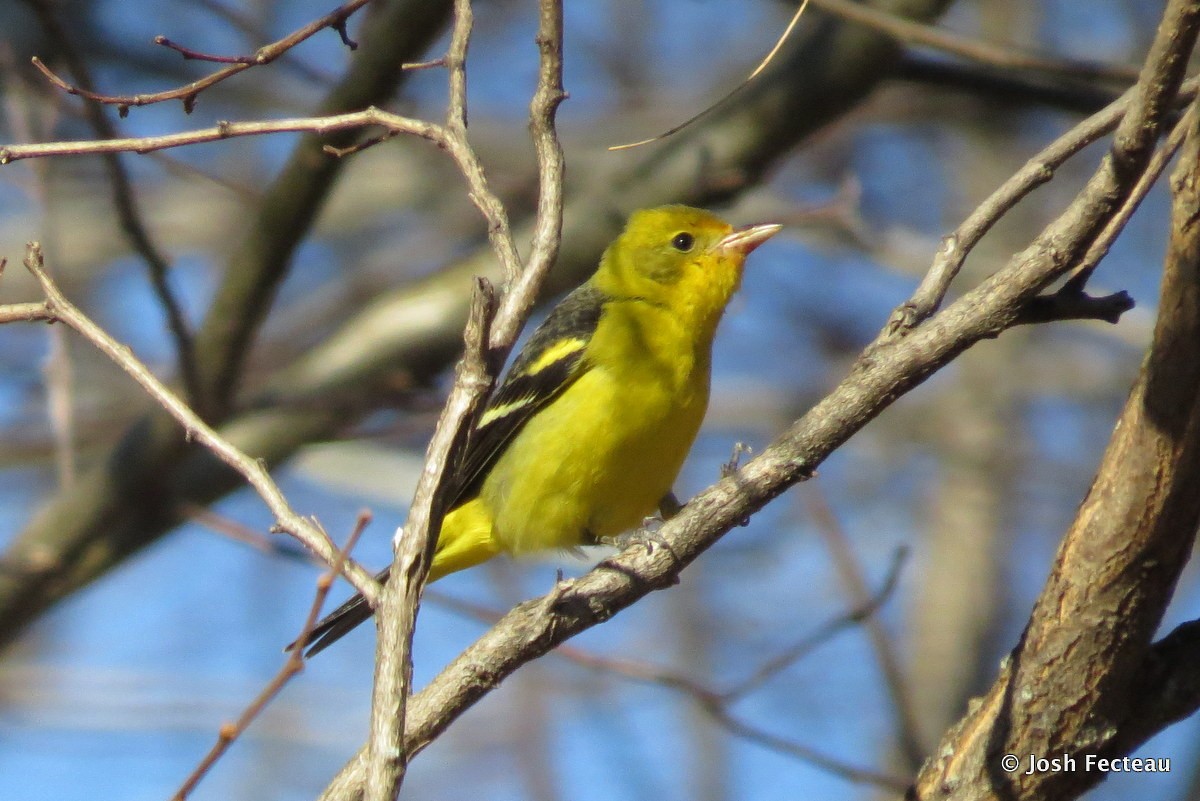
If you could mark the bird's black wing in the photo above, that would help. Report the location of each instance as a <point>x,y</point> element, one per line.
<point>551,361</point>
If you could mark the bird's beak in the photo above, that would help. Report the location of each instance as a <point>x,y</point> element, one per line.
<point>743,240</point>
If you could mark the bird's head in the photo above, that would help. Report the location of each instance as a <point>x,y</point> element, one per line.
<point>686,259</point>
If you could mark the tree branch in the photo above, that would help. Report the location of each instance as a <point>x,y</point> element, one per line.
<point>982,52</point>
<point>335,19</point>
<point>1037,171</point>
<point>1077,681</point>
<point>487,343</point>
<point>59,309</point>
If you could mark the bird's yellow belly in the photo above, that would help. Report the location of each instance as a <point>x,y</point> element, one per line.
<point>603,456</point>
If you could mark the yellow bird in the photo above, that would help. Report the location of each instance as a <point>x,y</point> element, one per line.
<point>587,432</point>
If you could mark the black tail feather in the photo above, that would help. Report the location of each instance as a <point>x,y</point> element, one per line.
<point>338,623</point>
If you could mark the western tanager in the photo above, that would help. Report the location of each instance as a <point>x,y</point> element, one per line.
<point>587,432</point>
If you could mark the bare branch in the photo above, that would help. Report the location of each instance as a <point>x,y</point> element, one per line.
<point>308,532</point>
<point>1037,171</point>
<point>335,19</point>
<point>485,346</point>
<point>229,130</point>
<point>25,313</point>
<point>1158,163</point>
<point>1085,678</point>
<point>1070,302</point>
<point>459,148</point>
<point>547,228</point>
<point>415,542</point>
<point>195,55</point>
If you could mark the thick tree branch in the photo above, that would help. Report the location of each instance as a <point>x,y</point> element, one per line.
<point>1078,682</point>
<point>983,52</point>
<point>1004,86</point>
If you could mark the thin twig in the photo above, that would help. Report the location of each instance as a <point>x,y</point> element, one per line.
<point>456,144</point>
<point>1037,171</point>
<point>253,30</point>
<point>58,308</point>
<point>291,666</point>
<point>195,55</point>
<point>413,66</point>
<point>1158,163</point>
<point>188,93</point>
<point>228,130</point>
<point>762,65</point>
<point>487,341</point>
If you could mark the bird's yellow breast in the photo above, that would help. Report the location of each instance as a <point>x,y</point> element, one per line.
<point>598,460</point>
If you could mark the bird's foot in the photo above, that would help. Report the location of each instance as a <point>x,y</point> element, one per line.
<point>647,536</point>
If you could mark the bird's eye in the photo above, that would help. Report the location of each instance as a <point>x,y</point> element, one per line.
<point>683,242</point>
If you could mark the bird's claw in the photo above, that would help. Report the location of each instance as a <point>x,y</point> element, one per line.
<point>647,536</point>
